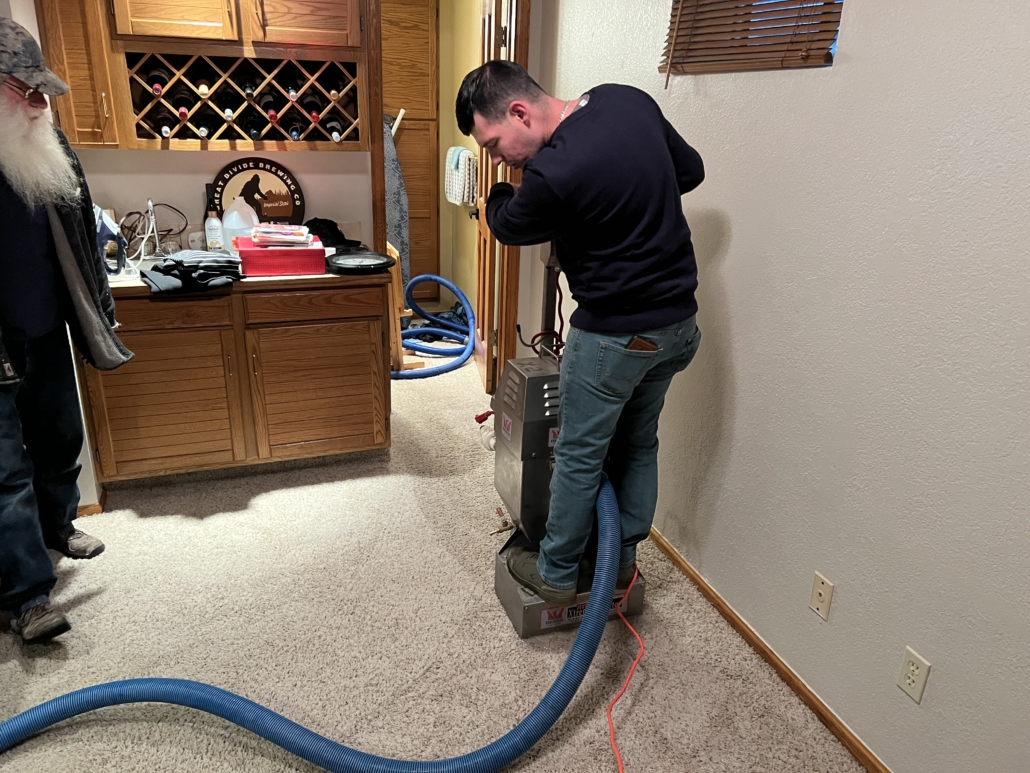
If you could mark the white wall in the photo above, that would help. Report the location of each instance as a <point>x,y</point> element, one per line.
<point>336,185</point>
<point>860,401</point>
<point>23,12</point>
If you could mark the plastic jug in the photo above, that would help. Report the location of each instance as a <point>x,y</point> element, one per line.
<point>239,220</point>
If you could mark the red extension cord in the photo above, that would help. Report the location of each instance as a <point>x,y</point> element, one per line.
<point>633,668</point>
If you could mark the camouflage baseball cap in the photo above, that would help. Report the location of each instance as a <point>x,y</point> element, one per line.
<point>20,56</point>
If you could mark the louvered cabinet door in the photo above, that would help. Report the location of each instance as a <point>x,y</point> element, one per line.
<point>318,389</point>
<point>307,22</point>
<point>174,407</point>
<point>194,19</point>
<point>74,39</point>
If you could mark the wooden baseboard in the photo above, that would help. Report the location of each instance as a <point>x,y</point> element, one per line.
<point>96,509</point>
<point>844,734</point>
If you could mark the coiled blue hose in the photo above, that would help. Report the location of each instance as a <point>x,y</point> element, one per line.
<point>336,757</point>
<point>444,328</point>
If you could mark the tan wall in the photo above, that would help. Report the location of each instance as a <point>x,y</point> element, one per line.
<point>861,400</point>
<point>459,53</point>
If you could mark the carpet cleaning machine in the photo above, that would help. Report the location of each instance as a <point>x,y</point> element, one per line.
<point>525,408</point>
<point>526,417</point>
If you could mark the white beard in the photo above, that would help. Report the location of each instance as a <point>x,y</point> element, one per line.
<point>33,160</point>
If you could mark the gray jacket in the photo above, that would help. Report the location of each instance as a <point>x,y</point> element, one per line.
<point>75,241</point>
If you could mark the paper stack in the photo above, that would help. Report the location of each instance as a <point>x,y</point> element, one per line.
<point>281,235</point>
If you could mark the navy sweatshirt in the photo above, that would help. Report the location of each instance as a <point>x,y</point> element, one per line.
<point>606,190</point>
<point>32,289</point>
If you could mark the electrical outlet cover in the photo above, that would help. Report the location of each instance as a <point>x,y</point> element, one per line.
<point>914,673</point>
<point>822,595</point>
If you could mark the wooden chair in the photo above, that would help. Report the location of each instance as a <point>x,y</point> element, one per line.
<point>397,310</point>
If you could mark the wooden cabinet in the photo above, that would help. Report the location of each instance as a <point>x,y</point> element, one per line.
<point>193,19</point>
<point>317,389</point>
<point>307,22</point>
<point>410,82</point>
<point>107,52</point>
<point>174,406</point>
<point>74,39</point>
<point>294,22</point>
<point>276,369</point>
<point>410,69</point>
<point>418,153</point>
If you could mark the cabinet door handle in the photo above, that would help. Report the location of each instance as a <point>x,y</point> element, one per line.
<point>255,363</point>
<point>229,358</point>
<point>103,98</point>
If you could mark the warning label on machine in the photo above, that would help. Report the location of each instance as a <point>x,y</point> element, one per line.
<point>506,425</point>
<point>552,618</point>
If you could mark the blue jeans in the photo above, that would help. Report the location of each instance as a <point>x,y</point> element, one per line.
<point>611,398</point>
<point>40,439</point>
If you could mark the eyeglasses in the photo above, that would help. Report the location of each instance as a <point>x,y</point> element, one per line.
<point>23,91</point>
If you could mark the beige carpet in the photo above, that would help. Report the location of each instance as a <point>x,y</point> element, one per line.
<point>356,597</point>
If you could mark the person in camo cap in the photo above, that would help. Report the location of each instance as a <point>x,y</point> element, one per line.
<point>52,281</point>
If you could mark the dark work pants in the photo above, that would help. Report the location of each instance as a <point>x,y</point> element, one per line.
<point>41,436</point>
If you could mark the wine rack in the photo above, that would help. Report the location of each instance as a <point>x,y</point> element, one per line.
<point>241,100</point>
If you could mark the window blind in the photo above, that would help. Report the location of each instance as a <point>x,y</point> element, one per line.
<point>732,35</point>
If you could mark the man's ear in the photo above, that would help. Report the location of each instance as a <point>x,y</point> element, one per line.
<point>519,110</point>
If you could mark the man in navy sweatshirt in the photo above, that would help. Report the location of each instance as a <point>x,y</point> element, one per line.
<point>602,176</point>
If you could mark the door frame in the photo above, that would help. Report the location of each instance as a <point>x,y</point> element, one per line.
<point>497,265</point>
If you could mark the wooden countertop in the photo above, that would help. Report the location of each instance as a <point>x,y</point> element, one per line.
<point>138,289</point>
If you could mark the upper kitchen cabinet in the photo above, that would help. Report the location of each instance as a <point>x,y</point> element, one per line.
<point>410,68</point>
<point>306,22</point>
<point>74,41</point>
<point>194,19</point>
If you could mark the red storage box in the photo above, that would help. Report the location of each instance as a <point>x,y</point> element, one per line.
<point>281,261</point>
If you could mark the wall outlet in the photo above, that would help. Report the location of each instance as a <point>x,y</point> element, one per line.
<point>914,673</point>
<point>822,595</point>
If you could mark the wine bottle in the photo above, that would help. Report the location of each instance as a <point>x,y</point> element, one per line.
<point>204,128</point>
<point>295,128</point>
<point>252,126</point>
<point>248,89</point>
<point>182,100</point>
<point>291,90</point>
<point>163,126</point>
<point>312,106</point>
<point>157,79</point>
<point>229,116</point>
<point>267,103</point>
<point>349,103</point>
<point>335,129</point>
<point>203,86</point>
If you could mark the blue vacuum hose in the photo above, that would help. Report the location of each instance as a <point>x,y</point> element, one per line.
<point>336,757</point>
<point>444,328</point>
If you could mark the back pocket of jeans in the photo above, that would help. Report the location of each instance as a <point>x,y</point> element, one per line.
<point>619,370</point>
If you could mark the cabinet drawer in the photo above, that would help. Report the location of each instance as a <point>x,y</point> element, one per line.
<point>161,315</point>
<point>313,305</point>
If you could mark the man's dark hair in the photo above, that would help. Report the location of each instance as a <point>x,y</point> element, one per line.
<point>489,89</point>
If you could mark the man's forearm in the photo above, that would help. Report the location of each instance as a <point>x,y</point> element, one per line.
<point>515,222</point>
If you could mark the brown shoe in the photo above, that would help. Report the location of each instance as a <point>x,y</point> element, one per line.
<point>625,577</point>
<point>40,624</point>
<point>522,566</point>
<point>74,543</point>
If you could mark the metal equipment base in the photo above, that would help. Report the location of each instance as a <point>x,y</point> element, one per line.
<point>532,616</point>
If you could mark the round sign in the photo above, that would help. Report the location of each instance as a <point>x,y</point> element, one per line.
<point>265,185</point>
